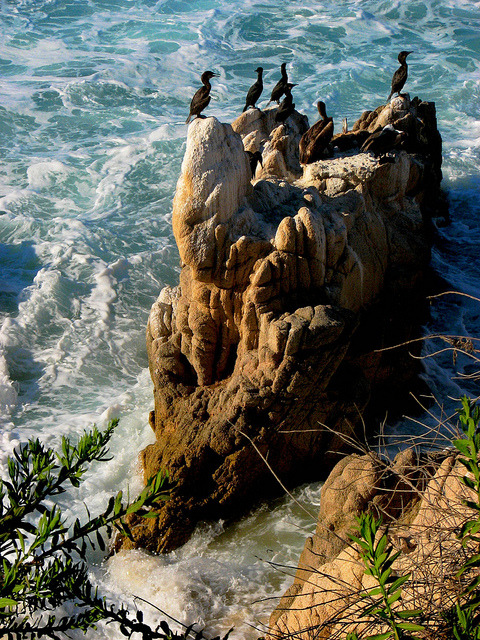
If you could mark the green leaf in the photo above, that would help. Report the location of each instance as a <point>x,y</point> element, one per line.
<point>461,615</point>
<point>394,597</point>
<point>359,541</point>
<point>473,561</point>
<point>54,571</point>
<point>385,576</point>
<point>409,613</point>
<point>21,540</point>
<point>100,540</point>
<point>410,626</point>
<point>397,583</point>
<point>7,602</point>
<point>380,559</point>
<point>462,445</point>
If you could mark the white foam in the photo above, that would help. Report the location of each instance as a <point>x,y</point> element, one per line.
<point>42,175</point>
<point>221,578</point>
<point>8,390</point>
<point>103,295</point>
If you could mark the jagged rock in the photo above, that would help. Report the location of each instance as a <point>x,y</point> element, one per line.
<point>258,346</point>
<point>422,502</point>
<point>416,118</point>
<point>278,143</point>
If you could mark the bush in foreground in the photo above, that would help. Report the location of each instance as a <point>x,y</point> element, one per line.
<point>384,601</point>
<point>44,560</point>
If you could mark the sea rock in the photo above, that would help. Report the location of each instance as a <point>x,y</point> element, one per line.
<point>278,143</point>
<point>272,331</point>
<point>422,503</point>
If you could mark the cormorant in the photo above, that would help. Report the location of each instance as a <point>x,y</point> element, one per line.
<point>279,89</point>
<point>286,107</point>
<point>202,97</point>
<point>254,159</point>
<point>400,75</point>
<point>383,141</point>
<point>255,90</point>
<point>314,142</point>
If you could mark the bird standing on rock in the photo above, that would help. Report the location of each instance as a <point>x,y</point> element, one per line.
<point>314,141</point>
<point>202,97</point>
<point>381,142</point>
<point>255,90</point>
<point>400,75</point>
<point>279,89</point>
<point>286,107</point>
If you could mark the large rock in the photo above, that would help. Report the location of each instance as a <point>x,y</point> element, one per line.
<point>262,343</point>
<point>422,503</point>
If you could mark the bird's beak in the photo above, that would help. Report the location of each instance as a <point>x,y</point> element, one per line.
<point>216,75</point>
<point>409,52</point>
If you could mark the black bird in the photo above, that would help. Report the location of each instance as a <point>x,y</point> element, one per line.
<point>400,75</point>
<point>279,89</point>
<point>202,97</point>
<point>286,107</point>
<point>314,141</point>
<point>383,141</point>
<point>254,159</point>
<point>255,90</point>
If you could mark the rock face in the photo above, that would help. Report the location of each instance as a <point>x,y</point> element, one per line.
<point>423,506</point>
<point>263,343</point>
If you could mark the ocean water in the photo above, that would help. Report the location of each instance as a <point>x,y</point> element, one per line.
<point>93,99</point>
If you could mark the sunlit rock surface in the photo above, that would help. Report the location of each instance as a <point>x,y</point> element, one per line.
<point>422,504</point>
<point>290,280</point>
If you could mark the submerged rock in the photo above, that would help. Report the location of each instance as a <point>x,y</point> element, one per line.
<point>270,336</point>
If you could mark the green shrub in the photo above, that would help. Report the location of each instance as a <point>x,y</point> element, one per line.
<point>44,560</point>
<point>378,558</point>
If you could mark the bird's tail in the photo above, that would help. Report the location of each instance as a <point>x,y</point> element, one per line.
<point>245,108</point>
<point>188,119</point>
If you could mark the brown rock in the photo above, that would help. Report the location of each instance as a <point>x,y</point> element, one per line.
<point>250,353</point>
<point>423,504</point>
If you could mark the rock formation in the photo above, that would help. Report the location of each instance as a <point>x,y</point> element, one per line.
<point>269,335</point>
<point>422,502</point>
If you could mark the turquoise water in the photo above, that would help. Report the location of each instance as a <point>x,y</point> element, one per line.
<point>93,100</point>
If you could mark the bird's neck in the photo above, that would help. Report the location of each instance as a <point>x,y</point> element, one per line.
<point>323,114</point>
